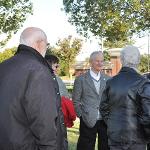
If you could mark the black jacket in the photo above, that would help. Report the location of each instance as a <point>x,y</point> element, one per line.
<point>28,110</point>
<point>62,142</point>
<point>125,107</point>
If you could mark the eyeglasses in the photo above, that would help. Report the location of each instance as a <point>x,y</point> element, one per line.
<point>55,66</point>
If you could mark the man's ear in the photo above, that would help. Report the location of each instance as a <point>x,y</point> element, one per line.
<point>39,46</point>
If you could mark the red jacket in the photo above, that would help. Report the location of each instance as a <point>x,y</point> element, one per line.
<point>68,111</point>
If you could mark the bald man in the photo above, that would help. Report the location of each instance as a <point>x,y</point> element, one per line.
<point>28,109</point>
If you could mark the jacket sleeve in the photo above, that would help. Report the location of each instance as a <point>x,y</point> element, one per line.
<point>40,108</point>
<point>68,111</point>
<point>76,96</point>
<point>144,94</point>
<point>104,105</point>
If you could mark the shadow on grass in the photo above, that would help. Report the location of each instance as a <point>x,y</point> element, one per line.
<point>73,134</point>
<point>72,139</point>
<point>72,146</point>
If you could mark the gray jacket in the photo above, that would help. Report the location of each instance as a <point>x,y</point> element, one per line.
<point>85,98</point>
<point>62,87</point>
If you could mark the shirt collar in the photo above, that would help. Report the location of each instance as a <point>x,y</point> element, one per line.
<point>95,75</point>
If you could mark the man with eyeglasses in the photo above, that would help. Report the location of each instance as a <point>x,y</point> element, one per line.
<point>28,110</point>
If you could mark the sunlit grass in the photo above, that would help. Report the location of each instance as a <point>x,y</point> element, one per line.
<point>73,134</point>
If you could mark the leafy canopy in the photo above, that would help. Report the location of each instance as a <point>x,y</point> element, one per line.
<point>143,66</point>
<point>12,15</point>
<point>7,54</point>
<point>116,20</point>
<point>66,50</point>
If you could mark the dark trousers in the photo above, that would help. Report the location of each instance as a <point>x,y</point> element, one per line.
<point>148,146</point>
<point>87,137</point>
<point>129,147</point>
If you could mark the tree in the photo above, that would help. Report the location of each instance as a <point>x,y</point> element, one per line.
<point>67,50</point>
<point>13,13</point>
<point>116,20</point>
<point>117,44</point>
<point>143,66</point>
<point>106,55</point>
<point>7,54</point>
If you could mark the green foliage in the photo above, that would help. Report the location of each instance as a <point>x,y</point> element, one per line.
<point>12,15</point>
<point>117,44</point>
<point>116,20</point>
<point>7,54</point>
<point>67,50</point>
<point>143,66</point>
<point>106,55</point>
<point>50,50</point>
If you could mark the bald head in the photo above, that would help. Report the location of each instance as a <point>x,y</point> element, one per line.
<point>35,38</point>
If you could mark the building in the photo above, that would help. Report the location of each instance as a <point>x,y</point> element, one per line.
<point>115,60</point>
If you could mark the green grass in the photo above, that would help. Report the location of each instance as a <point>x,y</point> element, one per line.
<point>73,134</point>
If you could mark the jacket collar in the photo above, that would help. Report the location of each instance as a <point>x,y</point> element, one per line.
<point>128,69</point>
<point>23,49</point>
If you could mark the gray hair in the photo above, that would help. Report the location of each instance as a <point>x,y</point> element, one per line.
<point>94,54</point>
<point>31,35</point>
<point>130,56</point>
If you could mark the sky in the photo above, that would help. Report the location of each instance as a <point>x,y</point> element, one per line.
<point>47,15</point>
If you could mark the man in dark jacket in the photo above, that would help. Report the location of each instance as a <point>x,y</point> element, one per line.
<point>147,75</point>
<point>125,105</point>
<point>28,109</point>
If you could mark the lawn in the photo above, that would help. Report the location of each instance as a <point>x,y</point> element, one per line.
<point>73,134</point>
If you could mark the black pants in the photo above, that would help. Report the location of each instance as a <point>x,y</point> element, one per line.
<point>87,137</point>
<point>129,147</point>
<point>148,146</point>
